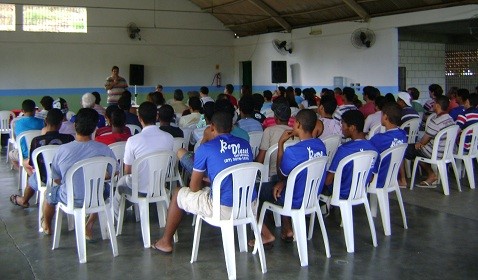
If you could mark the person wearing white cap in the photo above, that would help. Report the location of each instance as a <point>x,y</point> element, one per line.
<point>404,101</point>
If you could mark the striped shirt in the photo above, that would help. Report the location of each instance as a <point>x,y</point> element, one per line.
<point>436,124</point>
<point>409,113</point>
<point>342,109</point>
<point>428,107</point>
<point>469,117</point>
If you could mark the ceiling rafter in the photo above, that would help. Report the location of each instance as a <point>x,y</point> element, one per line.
<point>271,12</point>
<point>211,8</point>
<point>357,9</point>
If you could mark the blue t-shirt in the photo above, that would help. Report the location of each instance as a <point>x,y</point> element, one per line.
<point>384,141</point>
<point>250,125</point>
<point>409,113</point>
<point>456,111</point>
<point>26,124</point>
<point>218,154</point>
<point>69,154</point>
<point>295,155</point>
<point>345,150</point>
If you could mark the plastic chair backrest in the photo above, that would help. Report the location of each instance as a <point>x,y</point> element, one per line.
<point>413,126</point>
<point>396,155</point>
<point>159,166</point>
<point>5,118</point>
<point>315,171</point>
<point>272,152</point>
<point>332,142</point>
<point>26,136</point>
<point>472,132</point>
<point>118,149</point>
<point>93,171</point>
<point>134,129</point>
<point>362,162</point>
<point>448,135</point>
<point>187,131</point>
<point>243,183</point>
<point>47,152</point>
<point>378,128</point>
<point>255,138</point>
<point>178,144</point>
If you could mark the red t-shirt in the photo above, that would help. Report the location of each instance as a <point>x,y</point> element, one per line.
<point>113,137</point>
<point>339,99</point>
<point>271,122</point>
<point>232,99</point>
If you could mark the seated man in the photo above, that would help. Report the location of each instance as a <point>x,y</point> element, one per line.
<point>424,147</point>
<point>67,127</point>
<point>68,154</point>
<point>391,114</point>
<point>309,147</point>
<point>46,102</point>
<point>119,131</point>
<point>195,115</point>
<point>51,137</point>
<point>166,116</point>
<point>247,121</point>
<point>124,103</point>
<point>408,113</point>
<point>326,109</point>
<point>375,118</point>
<point>469,117</point>
<point>88,101</point>
<point>352,127</point>
<point>150,140</point>
<point>211,157</point>
<point>26,123</point>
<point>461,96</point>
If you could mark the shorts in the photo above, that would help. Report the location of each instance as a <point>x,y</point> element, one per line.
<point>200,203</point>
<point>187,162</point>
<point>411,153</point>
<point>32,182</point>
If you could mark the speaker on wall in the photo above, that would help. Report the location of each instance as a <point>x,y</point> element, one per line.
<point>279,72</point>
<point>136,74</point>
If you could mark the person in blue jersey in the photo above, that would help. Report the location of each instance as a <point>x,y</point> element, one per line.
<point>468,117</point>
<point>352,127</point>
<point>461,96</point>
<point>222,151</point>
<point>391,114</point>
<point>309,147</point>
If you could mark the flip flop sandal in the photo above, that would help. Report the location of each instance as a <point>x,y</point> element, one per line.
<point>14,201</point>
<point>153,246</point>
<point>425,184</point>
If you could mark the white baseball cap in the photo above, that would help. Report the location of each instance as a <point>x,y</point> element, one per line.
<point>405,97</point>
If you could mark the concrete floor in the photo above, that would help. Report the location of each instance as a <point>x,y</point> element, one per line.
<point>441,242</point>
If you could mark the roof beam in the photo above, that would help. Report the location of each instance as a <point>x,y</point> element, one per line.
<point>357,9</point>
<point>272,13</point>
<point>211,8</point>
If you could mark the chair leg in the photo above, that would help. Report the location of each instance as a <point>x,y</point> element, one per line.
<point>41,197</point>
<point>444,178</point>
<point>298,221</point>
<point>259,225</point>
<point>402,207</point>
<point>162,208</point>
<point>259,245</point>
<point>311,225</point>
<point>384,204</point>
<point>242,237</point>
<point>145,230</point>
<point>324,232</point>
<point>227,231</point>
<point>348,226</point>
<point>370,222</point>
<point>136,212</point>
<point>277,219</point>
<point>455,171</point>
<point>414,173</point>
<point>57,232</point>
<point>111,229</point>
<point>197,237</point>
<point>468,162</point>
<point>119,225</point>
<point>407,168</point>
<point>71,222</point>
<point>80,235</point>
<point>103,225</point>
<point>373,203</point>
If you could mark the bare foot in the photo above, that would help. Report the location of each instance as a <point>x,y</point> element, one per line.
<point>163,246</point>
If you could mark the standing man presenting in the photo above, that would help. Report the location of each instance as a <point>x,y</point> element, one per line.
<point>115,85</point>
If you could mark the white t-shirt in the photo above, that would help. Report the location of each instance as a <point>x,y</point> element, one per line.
<point>372,120</point>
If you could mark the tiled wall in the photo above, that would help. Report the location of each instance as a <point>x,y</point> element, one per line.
<point>425,64</point>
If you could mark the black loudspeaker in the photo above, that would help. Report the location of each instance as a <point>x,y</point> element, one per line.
<point>136,74</point>
<point>279,72</point>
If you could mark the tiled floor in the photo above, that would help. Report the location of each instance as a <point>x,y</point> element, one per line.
<point>441,243</point>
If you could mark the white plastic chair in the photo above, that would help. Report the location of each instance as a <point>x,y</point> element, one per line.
<point>362,161</point>
<point>187,131</point>
<point>175,176</point>
<point>243,181</point>
<point>93,171</point>
<point>412,127</point>
<point>315,170</point>
<point>5,118</point>
<point>468,156</point>
<point>135,129</point>
<point>255,138</point>
<point>380,193</point>
<point>447,136</point>
<point>332,143</point>
<point>47,152</point>
<point>159,164</point>
<point>118,149</point>
<point>378,128</point>
<point>26,136</point>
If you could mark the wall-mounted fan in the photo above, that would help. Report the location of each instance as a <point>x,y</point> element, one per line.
<point>133,31</point>
<point>282,47</point>
<point>362,38</point>
<point>473,26</point>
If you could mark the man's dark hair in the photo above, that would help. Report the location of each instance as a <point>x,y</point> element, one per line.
<point>127,94</point>
<point>114,67</point>
<point>222,121</point>
<point>224,105</point>
<point>208,110</point>
<point>393,112</point>
<point>110,109</point>
<point>229,88</point>
<point>463,93</point>
<point>47,102</point>
<point>414,93</point>
<point>204,90</point>
<point>307,119</point>
<point>380,101</point>
<point>473,98</point>
<point>355,118</point>
<point>436,89</point>
<point>349,94</point>
<point>118,118</point>
<point>97,97</point>
<point>86,121</point>
<point>298,91</point>
<point>390,98</point>
<point>329,103</point>
<point>267,95</point>
<point>54,117</point>
<point>124,103</point>
<point>178,95</point>
<point>370,92</point>
<point>166,113</point>
<point>147,111</point>
<point>28,106</point>
<point>246,105</point>
<point>443,102</point>
<point>156,97</point>
<point>258,101</point>
<point>195,103</point>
